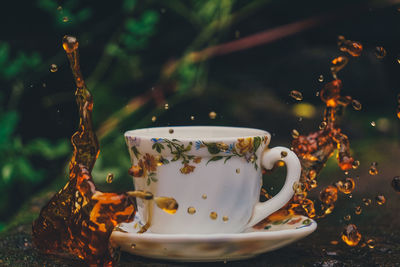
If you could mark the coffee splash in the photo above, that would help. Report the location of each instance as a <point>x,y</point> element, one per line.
<point>79,219</point>
<point>317,147</point>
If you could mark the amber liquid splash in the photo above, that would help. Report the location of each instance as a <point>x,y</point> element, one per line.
<point>79,219</point>
<point>316,148</point>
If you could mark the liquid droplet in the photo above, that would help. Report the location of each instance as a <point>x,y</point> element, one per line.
<point>356,164</point>
<point>213,215</point>
<point>380,52</point>
<point>295,134</point>
<point>191,210</point>
<point>192,118</point>
<point>350,235</point>
<point>296,95</point>
<point>59,8</point>
<point>323,125</point>
<point>167,204</point>
<point>225,218</point>
<point>396,183</point>
<point>351,47</point>
<point>346,186</point>
<point>212,115</point>
<point>65,19</point>
<point>204,196</point>
<point>334,242</point>
<point>153,119</point>
<point>356,104</point>
<point>110,178</point>
<point>380,199</point>
<point>358,210</point>
<point>171,131</point>
<point>367,201</point>
<point>321,78</point>
<point>371,243</point>
<point>133,245</point>
<point>373,170</point>
<point>373,123</point>
<point>347,217</point>
<point>338,63</point>
<point>166,106</point>
<point>283,154</point>
<point>53,68</point>
<point>329,195</point>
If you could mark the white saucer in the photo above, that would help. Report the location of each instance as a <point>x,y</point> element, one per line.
<point>211,247</point>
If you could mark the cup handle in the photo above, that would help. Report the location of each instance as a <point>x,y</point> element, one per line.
<point>269,157</point>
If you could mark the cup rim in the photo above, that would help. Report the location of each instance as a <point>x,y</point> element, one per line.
<point>164,132</point>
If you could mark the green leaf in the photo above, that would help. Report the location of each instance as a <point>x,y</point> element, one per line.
<point>212,148</point>
<point>227,158</point>
<point>135,151</point>
<point>154,179</point>
<point>257,142</point>
<point>164,161</point>
<point>148,181</point>
<point>215,158</point>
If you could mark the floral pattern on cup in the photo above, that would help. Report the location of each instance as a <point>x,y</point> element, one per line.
<point>147,164</point>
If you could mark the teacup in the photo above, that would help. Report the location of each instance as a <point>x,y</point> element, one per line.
<point>214,174</point>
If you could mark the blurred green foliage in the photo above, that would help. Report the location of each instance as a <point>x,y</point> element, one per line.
<point>18,174</point>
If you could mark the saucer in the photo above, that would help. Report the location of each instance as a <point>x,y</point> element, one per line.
<point>211,247</point>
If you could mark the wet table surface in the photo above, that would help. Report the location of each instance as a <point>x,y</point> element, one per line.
<point>315,250</point>
<point>378,222</point>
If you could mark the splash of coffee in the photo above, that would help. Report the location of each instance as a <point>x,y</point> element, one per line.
<point>316,148</point>
<point>79,219</point>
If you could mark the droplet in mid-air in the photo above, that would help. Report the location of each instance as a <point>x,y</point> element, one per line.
<point>373,170</point>
<point>373,123</point>
<point>110,178</point>
<point>396,183</point>
<point>295,134</point>
<point>321,78</point>
<point>153,119</point>
<point>329,195</point>
<point>350,235</point>
<point>192,118</point>
<point>65,19</point>
<point>167,204</point>
<point>346,186</point>
<point>212,115</point>
<point>338,63</point>
<point>380,199</point>
<point>367,201</point>
<point>380,52</point>
<point>355,164</point>
<point>347,217</point>
<point>296,95</point>
<point>358,210</point>
<point>53,68</point>
<point>371,243</point>
<point>356,104</point>
<point>323,125</point>
<point>351,47</point>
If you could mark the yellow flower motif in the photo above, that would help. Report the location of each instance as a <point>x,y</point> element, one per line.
<point>222,146</point>
<point>244,145</point>
<point>186,169</point>
<point>137,170</point>
<point>197,160</point>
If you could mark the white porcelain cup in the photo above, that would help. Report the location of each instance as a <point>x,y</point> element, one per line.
<point>214,173</point>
